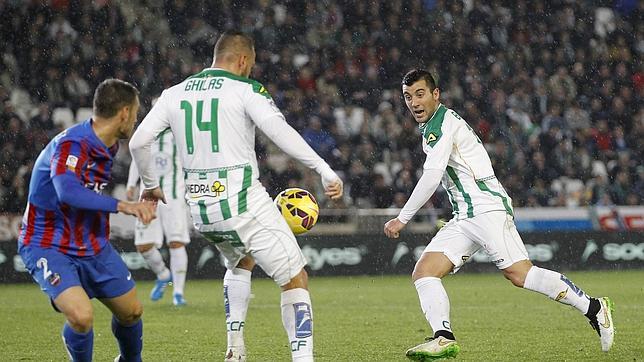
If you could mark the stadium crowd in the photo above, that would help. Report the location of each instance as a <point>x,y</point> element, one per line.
<point>553,88</point>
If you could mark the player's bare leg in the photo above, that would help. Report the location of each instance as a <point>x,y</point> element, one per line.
<point>427,274</point>
<point>559,288</point>
<point>78,334</point>
<point>236,299</point>
<point>297,316</point>
<point>179,267</point>
<point>127,325</point>
<point>155,261</point>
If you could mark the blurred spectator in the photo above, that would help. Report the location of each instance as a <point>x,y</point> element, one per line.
<point>569,190</point>
<point>77,90</point>
<point>561,86</point>
<point>349,119</point>
<point>602,138</point>
<point>576,118</point>
<point>291,176</point>
<point>553,118</point>
<point>539,195</point>
<point>621,187</point>
<point>60,25</point>
<point>540,170</point>
<point>405,181</point>
<point>319,139</point>
<point>201,38</point>
<point>361,183</point>
<point>42,120</point>
<point>600,191</point>
<point>382,194</point>
<point>619,140</point>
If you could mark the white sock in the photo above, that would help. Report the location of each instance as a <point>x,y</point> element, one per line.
<point>179,267</point>
<point>297,317</point>
<point>236,298</point>
<point>155,262</point>
<point>434,303</point>
<point>557,287</point>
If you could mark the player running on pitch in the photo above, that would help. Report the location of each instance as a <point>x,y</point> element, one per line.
<point>483,218</point>
<point>64,238</point>
<point>171,221</point>
<point>213,116</point>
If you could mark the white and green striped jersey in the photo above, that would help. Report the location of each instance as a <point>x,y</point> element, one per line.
<point>167,167</point>
<point>213,115</point>
<point>454,151</point>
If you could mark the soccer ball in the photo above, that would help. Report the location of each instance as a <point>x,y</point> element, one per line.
<point>299,208</point>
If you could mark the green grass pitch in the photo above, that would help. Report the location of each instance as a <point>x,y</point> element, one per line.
<point>356,319</point>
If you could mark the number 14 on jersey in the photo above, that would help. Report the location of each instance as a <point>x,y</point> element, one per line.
<point>210,126</point>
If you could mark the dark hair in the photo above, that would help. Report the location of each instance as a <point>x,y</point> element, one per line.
<point>112,95</point>
<point>415,75</point>
<point>233,40</point>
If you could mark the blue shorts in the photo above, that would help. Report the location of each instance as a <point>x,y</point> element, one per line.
<point>104,275</point>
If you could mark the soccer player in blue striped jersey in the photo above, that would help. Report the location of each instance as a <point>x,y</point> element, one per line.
<point>64,237</point>
<point>483,219</point>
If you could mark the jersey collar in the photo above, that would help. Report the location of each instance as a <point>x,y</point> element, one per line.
<point>422,126</point>
<point>217,72</point>
<point>97,140</point>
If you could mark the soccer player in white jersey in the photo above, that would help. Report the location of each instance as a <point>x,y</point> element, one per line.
<point>213,116</point>
<point>483,218</point>
<point>171,221</point>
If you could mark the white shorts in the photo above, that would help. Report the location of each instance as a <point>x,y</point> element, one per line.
<point>493,231</point>
<point>262,233</point>
<point>171,221</point>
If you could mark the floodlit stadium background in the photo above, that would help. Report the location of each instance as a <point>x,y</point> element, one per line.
<point>553,88</point>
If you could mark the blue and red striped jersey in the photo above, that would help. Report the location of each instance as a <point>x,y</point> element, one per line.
<point>49,222</point>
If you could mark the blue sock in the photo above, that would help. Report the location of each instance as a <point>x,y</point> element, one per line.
<point>79,345</point>
<point>130,340</point>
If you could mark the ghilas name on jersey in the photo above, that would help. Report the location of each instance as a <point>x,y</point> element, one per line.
<point>201,84</point>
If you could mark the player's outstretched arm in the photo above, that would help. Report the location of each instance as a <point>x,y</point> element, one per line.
<point>141,149</point>
<point>67,163</point>
<point>265,114</point>
<point>70,191</point>
<point>289,141</point>
<point>132,180</point>
<point>423,190</point>
<point>155,122</point>
<point>141,153</point>
<point>143,210</point>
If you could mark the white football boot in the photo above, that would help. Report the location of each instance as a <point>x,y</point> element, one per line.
<point>434,348</point>
<point>603,323</point>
